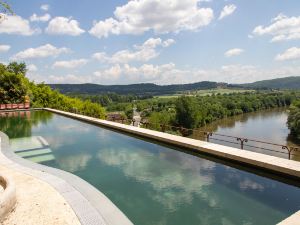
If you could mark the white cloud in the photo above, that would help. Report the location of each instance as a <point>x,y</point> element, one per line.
<point>40,52</point>
<point>131,74</point>
<point>16,25</point>
<point>233,52</point>
<point>69,78</point>
<point>139,16</point>
<point>70,64</point>
<point>32,68</point>
<point>282,28</point>
<point>112,73</point>
<point>170,74</point>
<point>168,42</point>
<point>64,26</point>
<point>289,54</point>
<point>227,10</point>
<point>45,7</point>
<point>36,18</point>
<point>141,53</point>
<point>4,48</point>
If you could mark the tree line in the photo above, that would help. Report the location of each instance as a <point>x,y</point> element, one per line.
<point>194,112</point>
<point>294,119</point>
<point>110,98</point>
<point>15,87</point>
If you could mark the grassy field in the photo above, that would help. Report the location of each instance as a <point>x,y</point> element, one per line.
<point>204,92</point>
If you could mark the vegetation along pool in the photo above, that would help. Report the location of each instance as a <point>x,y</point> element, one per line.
<point>150,183</point>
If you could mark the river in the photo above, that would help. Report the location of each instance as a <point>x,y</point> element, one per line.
<point>267,126</point>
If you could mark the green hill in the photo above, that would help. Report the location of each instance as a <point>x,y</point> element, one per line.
<point>279,83</point>
<point>138,89</point>
<point>154,89</point>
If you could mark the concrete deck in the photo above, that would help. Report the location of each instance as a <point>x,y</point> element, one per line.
<point>37,202</point>
<point>289,168</point>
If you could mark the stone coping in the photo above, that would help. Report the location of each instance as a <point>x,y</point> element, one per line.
<point>288,168</point>
<point>90,205</point>
<point>8,197</point>
<point>291,220</point>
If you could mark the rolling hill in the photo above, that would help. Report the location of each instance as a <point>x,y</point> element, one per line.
<point>279,83</point>
<point>138,89</point>
<point>154,89</point>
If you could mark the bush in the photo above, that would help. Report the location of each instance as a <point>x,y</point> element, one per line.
<point>294,119</point>
<point>15,87</point>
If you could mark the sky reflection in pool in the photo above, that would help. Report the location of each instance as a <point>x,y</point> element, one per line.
<point>154,184</point>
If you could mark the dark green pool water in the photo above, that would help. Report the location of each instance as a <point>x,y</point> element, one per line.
<point>150,183</point>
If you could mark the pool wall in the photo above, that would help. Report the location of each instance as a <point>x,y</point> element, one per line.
<point>276,165</point>
<point>90,205</point>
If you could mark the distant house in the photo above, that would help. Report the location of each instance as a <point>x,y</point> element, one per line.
<point>115,116</point>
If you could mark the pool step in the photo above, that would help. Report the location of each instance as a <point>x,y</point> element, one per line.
<point>42,158</point>
<point>35,149</point>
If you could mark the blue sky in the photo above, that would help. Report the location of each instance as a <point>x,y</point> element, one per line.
<point>163,42</point>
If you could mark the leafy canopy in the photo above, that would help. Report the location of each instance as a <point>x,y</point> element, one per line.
<point>15,87</point>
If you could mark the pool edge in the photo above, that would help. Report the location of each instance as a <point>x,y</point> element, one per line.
<point>90,205</point>
<point>276,165</point>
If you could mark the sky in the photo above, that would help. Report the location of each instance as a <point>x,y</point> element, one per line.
<point>153,41</point>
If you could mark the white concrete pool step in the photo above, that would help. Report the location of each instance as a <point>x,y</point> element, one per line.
<point>35,149</point>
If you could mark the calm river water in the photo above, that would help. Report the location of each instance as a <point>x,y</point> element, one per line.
<point>268,126</point>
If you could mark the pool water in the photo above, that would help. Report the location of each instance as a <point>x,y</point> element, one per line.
<point>150,183</point>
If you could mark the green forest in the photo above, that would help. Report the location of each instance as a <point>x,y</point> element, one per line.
<point>196,111</point>
<point>15,87</point>
<point>294,119</point>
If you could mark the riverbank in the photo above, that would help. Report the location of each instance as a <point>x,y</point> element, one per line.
<point>266,125</point>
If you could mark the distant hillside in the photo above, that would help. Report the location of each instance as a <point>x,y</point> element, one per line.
<point>153,89</point>
<point>138,89</point>
<point>279,83</point>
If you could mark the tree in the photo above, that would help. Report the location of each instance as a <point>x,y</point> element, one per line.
<point>17,68</point>
<point>294,119</point>
<point>13,87</point>
<point>158,119</point>
<point>4,10</point>
<point>188,112</point>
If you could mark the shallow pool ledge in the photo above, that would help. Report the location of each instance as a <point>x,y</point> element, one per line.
<point>289,168</point>
<point>292,220</point>
<point>90,205</point>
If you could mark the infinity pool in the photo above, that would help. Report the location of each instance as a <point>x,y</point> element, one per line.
<point>150,183</point>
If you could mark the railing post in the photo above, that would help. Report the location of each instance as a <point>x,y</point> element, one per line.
<point>207,135</point>
<point>290,149</point>
<point>242,140</point>
<point>163,127</point>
